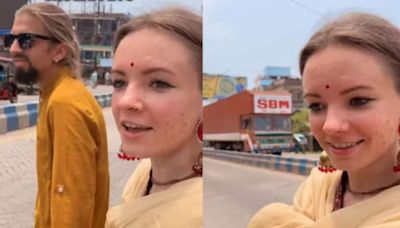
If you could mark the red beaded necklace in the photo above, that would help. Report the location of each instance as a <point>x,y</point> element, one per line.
<point>339,194</point>
<point>344,185</point>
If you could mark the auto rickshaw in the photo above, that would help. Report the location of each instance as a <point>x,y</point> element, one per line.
<point>8,86</point>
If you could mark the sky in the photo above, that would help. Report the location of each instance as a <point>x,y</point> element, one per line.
<point>243,37</point>
<point>133,7</point>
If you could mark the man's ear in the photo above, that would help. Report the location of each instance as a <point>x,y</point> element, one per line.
<point>60,52</point>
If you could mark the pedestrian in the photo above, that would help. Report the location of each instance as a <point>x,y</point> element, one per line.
<point>94,78</point>
<point>72,162</point>
<point>351,80</point>
<point>107,77</point>
<point>157,106</point>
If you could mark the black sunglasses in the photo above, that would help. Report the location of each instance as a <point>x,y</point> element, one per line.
<point>24,40</point>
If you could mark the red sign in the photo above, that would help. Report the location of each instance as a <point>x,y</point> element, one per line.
<point>272,104</point>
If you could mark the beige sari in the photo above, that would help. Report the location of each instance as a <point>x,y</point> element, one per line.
<point>314,202</point>
<point>181,205</point>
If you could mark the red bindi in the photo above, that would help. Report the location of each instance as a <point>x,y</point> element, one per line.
<point>327,86</point>
<point>132,64</point>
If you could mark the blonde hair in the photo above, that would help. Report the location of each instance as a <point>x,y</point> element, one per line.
<point>60,27</point>
<point>185,25</point>
<point>359,30</point>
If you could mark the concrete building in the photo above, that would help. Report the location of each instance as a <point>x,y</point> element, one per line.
<point>294,87</point>
<point>7,12</point>
<point>280,79</point>
<point>96,33</point>
<point>269,75</point>
<point>252,121</point>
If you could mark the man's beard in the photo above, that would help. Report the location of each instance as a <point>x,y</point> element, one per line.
<point>28,76</point>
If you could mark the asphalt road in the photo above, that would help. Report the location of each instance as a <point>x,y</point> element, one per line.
<point>233,193</point>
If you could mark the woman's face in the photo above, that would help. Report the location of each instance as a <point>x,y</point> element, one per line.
<point>157,98</point>
<point>354,107</point>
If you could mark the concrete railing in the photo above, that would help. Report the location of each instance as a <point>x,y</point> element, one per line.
<point>22,115</point>
<point>300,166</point>
<point>104,99</point>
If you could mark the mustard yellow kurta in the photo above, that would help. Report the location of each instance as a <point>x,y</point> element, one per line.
<point>180,206</point>
<point>72,160</point>
<point>314,202</point>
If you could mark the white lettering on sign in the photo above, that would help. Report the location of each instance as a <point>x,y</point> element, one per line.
<point>273,104</point>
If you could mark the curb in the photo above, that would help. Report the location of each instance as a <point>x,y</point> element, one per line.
<point>23,115</point>
<point>300,166</point>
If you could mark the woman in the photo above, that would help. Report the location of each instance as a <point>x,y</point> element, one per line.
<point>157,106</point>
<point>351,80</point>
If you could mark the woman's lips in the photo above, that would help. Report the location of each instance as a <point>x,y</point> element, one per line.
<point>343,148</point>
<point>130,132</point>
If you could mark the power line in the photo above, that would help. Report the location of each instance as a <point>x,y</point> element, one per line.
<point>306,7</point>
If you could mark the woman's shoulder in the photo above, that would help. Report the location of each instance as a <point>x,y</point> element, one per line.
<point>317,177</point>
<point>315,196</point>
<point>276,214</point>
<point>314,192</point>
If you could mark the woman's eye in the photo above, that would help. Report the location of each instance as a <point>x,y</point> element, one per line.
<point>158,84</point>
<point>117,84</point>
<point>315,107</point>
<point>359,101</point>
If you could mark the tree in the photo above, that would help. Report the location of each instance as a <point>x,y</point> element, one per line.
<point>300,122</point>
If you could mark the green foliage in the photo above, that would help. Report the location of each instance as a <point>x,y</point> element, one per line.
<point>300,122</point>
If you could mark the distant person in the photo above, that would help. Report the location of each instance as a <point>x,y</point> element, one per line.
<point>71,147</point>
<point>298,147</point>
<point>107,77</point>
<point>157,106</point>
<point>94,77</point>
<point>351,80</point>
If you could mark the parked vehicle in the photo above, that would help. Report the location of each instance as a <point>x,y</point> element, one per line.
<point>8,87</point>
<point>299,143</point>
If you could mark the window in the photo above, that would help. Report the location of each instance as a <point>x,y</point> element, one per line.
<point>282,123</point>
<point>245,123</point>
<point>262,123</point>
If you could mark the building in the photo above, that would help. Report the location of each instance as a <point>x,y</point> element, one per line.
<point>269,75</point>
<point>252,121</point>
<point>280,79</point>
<point>294,87</point>
<point>96,34</point>
<point>7,12</point>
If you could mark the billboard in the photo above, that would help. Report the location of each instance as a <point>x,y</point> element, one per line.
<point>221,86</point>
<point>209,86</point>
<point>273,104</point>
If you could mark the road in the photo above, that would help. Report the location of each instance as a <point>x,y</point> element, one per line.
<point>233,193</point>
<point>18,178</point>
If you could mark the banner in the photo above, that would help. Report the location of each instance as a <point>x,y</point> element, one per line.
<point>209,86</point>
